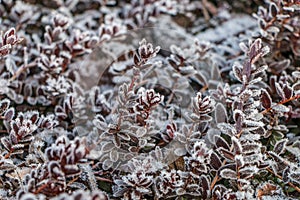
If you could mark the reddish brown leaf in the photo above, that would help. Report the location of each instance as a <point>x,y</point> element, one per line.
<point>265,99</point>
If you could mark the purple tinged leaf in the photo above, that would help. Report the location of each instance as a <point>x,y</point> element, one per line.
<point>262,23</point>
<point>294,175</point>
<point>237,145</point>
<point>227,129</point>
<point>279,147</point>
<point>71,170</point>
<point>218,191</point>
<point>239,160</point>
<point>205,118</point>
<point>254,47</point>
<point>9,37</point>
<point>4,104</point>
<point>220,142</point>
<point>265,99</point>
<point>226,153</point>
<point>200,78</point>
<point>252,147</point>
<point>279,91</point>
<point>215,161</point>
<point>136,59</point>
<point>296,88</point>
<point>238,116</point>
<point>260,70</point>
<point>205,185</point>
<point>248,171</point>
<point>288,91</point>
<point>6,143</point>
<point>237,72</point>
<point>246,73</point>
<point>114,155</point>
<point>13,138</point>
<point>279,66</point>
<point>180,191</point>
<point>228,174</point>
<point>34,117</point>
<point>278,159</point>
<point>9,114</point>
<point>220,114</point>
<point>273,10</point>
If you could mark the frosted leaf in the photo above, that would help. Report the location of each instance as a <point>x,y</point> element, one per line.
<point>251,159</point>
<point>141,132</point>
<point>220,142</point>
<point>205,184</point>
<point>237,145</point>
<point>215,161</point>
<point>279,147</point>
<point>211,133</point>
<point>180,191</point>
<point>200,78</point>
<point>237,72</point>
<point>294,150</point>
<point>220,113</point>
<point>188,70</point>
<point>142,143</point>
<point>4,104</point>
<point>113,155</point>
<point>274,197</point>
<point>280,91</point>
<point>121,79</point>
<point>107,164</point>
<point>227,129</point>
<point>180,151</point>
<point>280,108</point>
<point>253,123</point>
<point>238,115</point>
<point>239,159</point>
<point>253,147</point>
<point>228,174</point>
<point>243,47</point>
<point>294,176</point>
<point>246,94</point>
<point>296,88</point>
<point>107,147</point>
<point>256,80</point>
<point>266,99</point>
<point>296,74</point>
<point>100,122</point>
<point>184,84</point>
<point>260,69</point>
<point>250,170</point>
<point>226,153</point>
<point>9,114</point>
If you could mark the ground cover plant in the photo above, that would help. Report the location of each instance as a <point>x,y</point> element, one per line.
<point>149,99</point>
